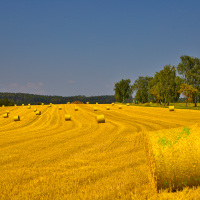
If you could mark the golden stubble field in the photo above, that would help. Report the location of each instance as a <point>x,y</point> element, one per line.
<point>45,157</point>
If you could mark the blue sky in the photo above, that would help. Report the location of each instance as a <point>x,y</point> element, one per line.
<point>82,47</point>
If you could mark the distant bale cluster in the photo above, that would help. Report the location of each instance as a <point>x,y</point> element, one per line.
<point>77,102</point>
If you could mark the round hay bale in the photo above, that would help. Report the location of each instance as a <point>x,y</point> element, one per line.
<point>22,104</point>
<point>29,104</point>
<point>113,104</point>
<point>49,105</point>
<point>95,108</point>
<point>16,118</point>
<point>127,104</point>
<point>8,111</point>
<point>173,156</point>
<point>60,108</point>
<point>5,115</point>
<point>120,107</point>
<point>38,112</point>
<point>29,107</point>
<point>3,106</point>
<point>100,119</point>
<point>96,102</point>
<point>76,108</point>
<point>42,104</point>
<point>171,108</point>
<point>35,109</point>
<point>87,102</point>
<point>67,117</point>
<point>68,102</point>
<point>107,108</point>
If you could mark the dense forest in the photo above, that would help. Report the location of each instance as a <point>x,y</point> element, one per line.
<point>23,98</point>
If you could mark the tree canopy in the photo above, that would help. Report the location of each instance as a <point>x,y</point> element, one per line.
<point>141,87</point>
<point>123,90</point>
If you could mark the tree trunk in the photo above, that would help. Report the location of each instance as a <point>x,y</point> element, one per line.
<point>195,101</point>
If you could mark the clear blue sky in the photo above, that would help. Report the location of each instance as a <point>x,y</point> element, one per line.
<point>82,47</point>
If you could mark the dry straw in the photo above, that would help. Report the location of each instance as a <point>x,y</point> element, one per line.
<point>16,118</point>
<point>60,108</point>
<point>35,109</point>
<point>76,108</point>
<point>100,119</point>
<point>5,115</point>
<point>171,108</point>
<point>67,117</point>
<point>95,108</point>
<point>120,107</point>
<point>173,157</point>
<point>107,108</point>
<point>38,112</point>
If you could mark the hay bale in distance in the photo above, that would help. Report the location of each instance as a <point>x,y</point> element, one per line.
<point>76,108</point>
<point>42,104</point>
<point>96,102</point>
<point>29,104</point>
<point>60,108</point>
<point>171,108</point>
<point>5,115</point>
<point>38,112</point>
<point>8,111</point>
<point>127,104</point>
<point>173,157</point>
<point>113,104</point>
<point>67,117</point>
<point>100,119</point>
<point>49,105</point>
<point>120,107</point>
<point>16,118</point>
<point>3,106</point>
<point>29,107</point>
<point>107,108</point>
<point>68,102</point>
<point>35,109</point>
<point>22,104</point>
<point>87,102</point>
<point>15,104</point>
<point>95,108</point>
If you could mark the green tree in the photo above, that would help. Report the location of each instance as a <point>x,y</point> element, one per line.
<point>141,88</point>
<point>165,85</point>
<point>189,68</point>
<point>123,90</point>
<point>189,91</point>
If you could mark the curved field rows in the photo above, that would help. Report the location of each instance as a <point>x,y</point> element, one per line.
<point>46,157</point>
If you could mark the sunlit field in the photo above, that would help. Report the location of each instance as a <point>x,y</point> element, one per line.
<point>45,157</point>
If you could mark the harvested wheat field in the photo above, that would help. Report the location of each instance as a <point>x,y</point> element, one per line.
<point>48,157</point>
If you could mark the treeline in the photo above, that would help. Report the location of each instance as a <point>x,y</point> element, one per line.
<point>24,98</point>
<point>167,85</point>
